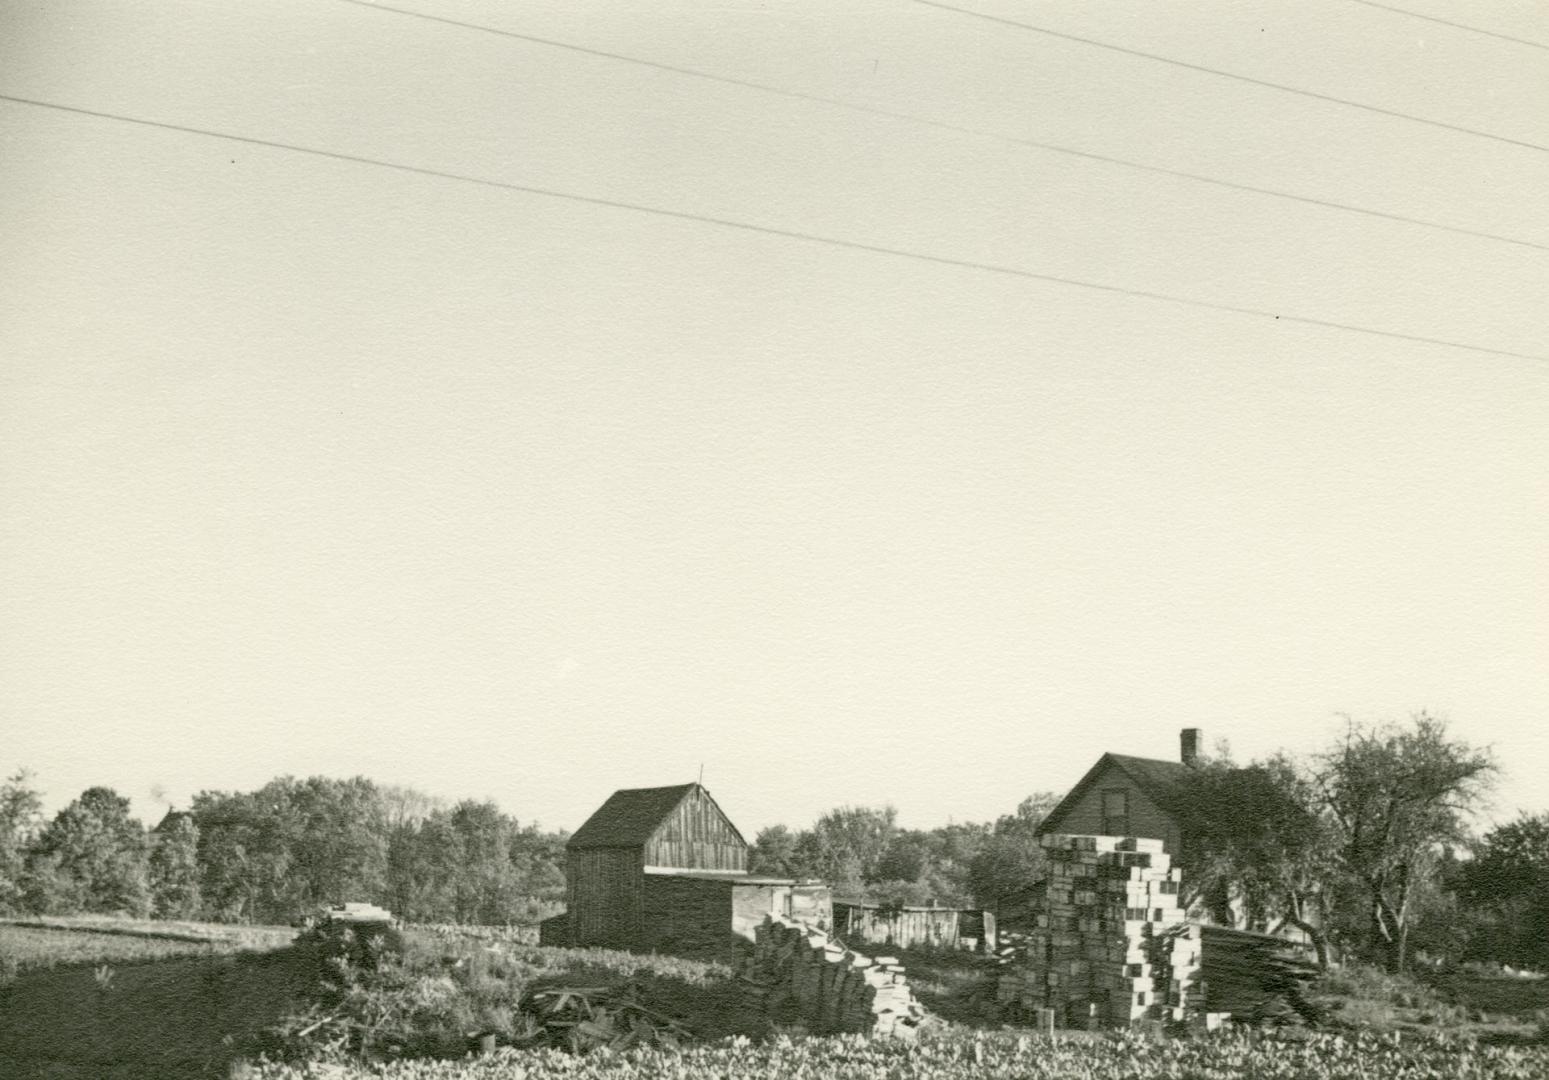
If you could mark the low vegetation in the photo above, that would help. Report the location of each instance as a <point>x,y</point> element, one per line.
<point>42,944</point>
<point>127,999</point>
<point>963,1055</point>
<point>131,999</point>
<point>438,993</point>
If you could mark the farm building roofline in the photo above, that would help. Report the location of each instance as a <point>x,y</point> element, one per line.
<point>632,815</point>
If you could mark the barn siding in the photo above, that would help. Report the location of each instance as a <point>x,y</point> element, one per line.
<point>685,913</point>
<point>1085,816</point>
<point>697,836</point>
<point>603,896</point>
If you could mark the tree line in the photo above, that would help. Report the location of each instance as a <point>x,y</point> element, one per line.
<point>1365,846</point>
<point>276,854</point>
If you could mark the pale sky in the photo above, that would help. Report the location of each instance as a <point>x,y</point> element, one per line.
<point>318,466</point>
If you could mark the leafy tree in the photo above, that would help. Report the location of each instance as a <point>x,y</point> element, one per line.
<point>1507,884</point>
<point>906,858</point>
<point>247,852</point>
<point>845,846</point>
<point>486,886</point>
<point>341,851</point>
<point>174,869</point>
<point>1396,795</point>
<point>291,847</point>
<point>773,852</point>
<point>1010,860</point>
<point>1258,836</point>
<point>21,815</point>
<point>93,856</point>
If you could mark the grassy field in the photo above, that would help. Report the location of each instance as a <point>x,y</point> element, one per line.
<point>1472,1003</point>
<point>39,944</point>
<point>120,999</point>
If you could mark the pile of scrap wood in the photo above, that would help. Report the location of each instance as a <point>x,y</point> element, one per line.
<point>800,974</point>
<point>359,933</point>
<point>1254,976</point>
<point>579,1018</point>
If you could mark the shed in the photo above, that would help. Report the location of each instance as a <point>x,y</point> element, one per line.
<point>914,927</point>
<point>655,868</point>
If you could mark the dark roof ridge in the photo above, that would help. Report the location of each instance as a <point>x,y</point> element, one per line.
<point>630,816</point>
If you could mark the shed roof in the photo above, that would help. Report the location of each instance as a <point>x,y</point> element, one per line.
<point>1163,781</point>
<point>629,817</point>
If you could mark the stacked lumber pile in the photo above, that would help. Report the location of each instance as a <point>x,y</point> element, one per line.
<point>801,974</point>
<point>1250,976</point>
<point>1089,959</point>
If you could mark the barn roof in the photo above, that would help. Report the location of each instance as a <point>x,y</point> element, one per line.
<point>629,817</point>
<point>1163,781</point>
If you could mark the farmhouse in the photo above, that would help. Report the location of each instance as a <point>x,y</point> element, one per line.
<point>664,868</point>
<point>1130,796</point>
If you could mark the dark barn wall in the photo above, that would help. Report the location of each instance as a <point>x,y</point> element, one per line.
<point>685,913</point>
<point>697,836</point>
<point>603,896</point>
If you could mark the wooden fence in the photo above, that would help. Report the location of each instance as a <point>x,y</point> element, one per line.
<point>915,927</point>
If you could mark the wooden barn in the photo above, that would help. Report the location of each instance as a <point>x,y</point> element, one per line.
<point>664,868</point>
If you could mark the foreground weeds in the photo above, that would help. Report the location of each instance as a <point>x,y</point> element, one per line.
<point>437,994</point>
<point>960,1055</point>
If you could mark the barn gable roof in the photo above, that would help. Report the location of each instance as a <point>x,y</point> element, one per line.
<point>1162,781</point>
<point>630,817</point>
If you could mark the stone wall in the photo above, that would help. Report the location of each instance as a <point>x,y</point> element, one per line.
<point>803,976</point>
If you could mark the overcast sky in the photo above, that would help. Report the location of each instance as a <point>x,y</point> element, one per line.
<point>319,466</point>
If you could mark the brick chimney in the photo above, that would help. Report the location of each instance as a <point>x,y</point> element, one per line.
<point>1189,740</point>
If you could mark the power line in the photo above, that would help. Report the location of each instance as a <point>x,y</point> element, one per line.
<point>942,125</point>
<point>769,230</point>
<point>1454,25</point>
<point>1232,75</point>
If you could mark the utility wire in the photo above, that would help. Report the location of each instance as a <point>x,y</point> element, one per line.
<point>941,125</point>
<point>1233,75</point>
<point>768,230</point>
<point>1454,25</point>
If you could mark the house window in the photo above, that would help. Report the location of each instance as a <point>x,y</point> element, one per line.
<point>1116,812</point>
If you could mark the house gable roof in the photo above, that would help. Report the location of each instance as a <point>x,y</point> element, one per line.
<point>170,820</point>
<point>1162,781</point>
<point>631,817</point>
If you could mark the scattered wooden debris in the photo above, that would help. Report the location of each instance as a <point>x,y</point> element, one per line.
<point>580,1018</point>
